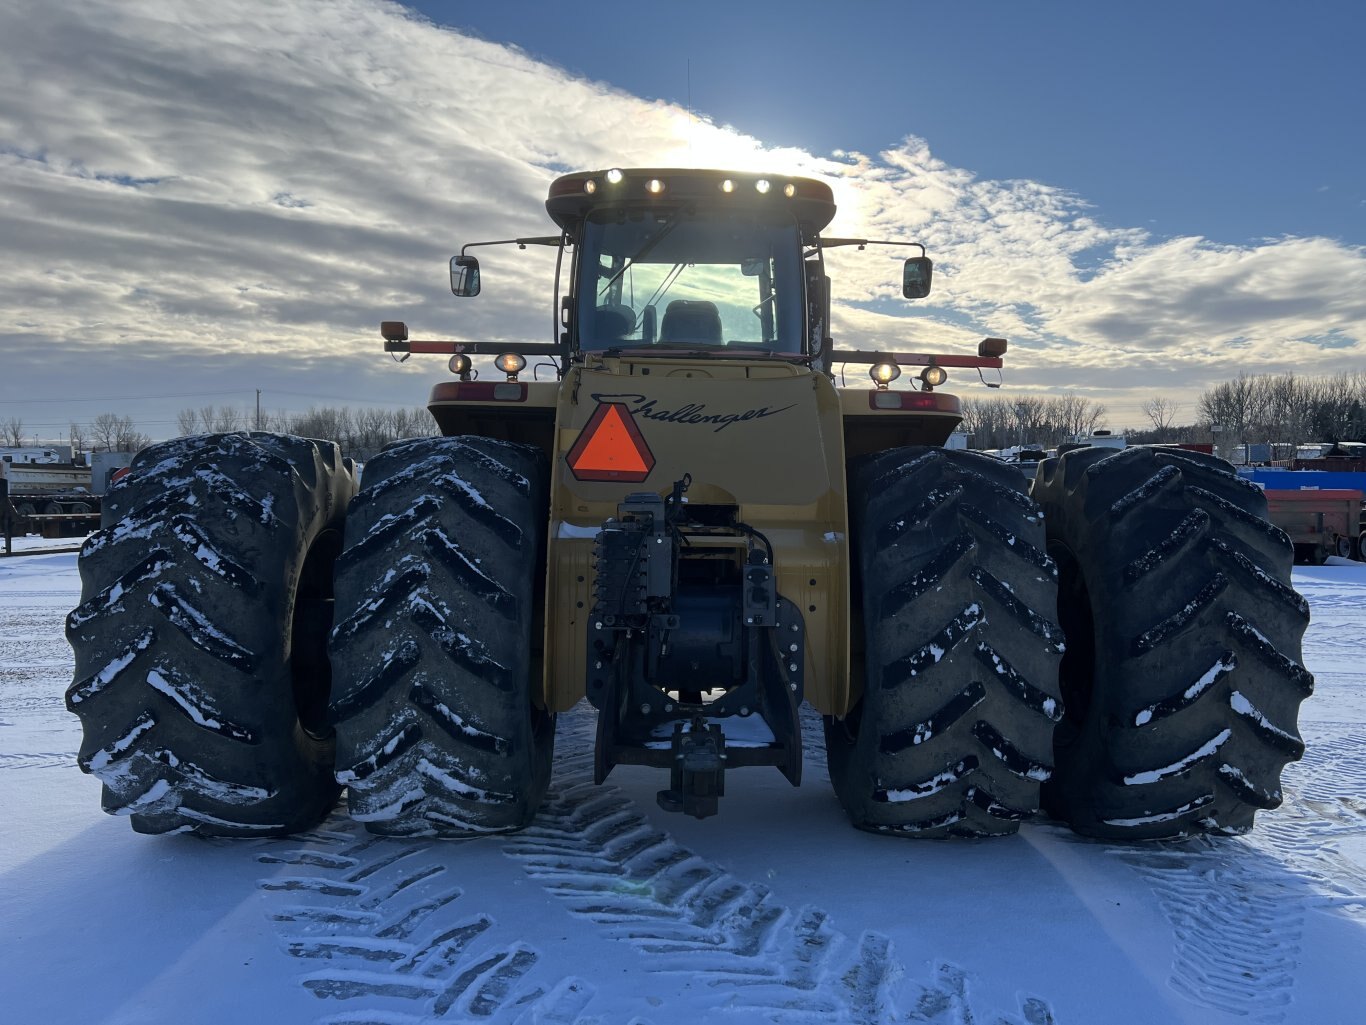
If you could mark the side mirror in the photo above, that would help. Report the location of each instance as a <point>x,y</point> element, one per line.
<point>464,275</point>
<point>915,277</point>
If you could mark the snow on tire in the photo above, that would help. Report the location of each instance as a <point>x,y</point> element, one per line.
<point>437,594</point>
<point>1182,679</point>
<point>953,733</point>
<point>200,642</point>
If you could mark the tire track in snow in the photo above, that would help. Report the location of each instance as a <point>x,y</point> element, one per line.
<point>1236,919</point>
<point>591,848</point>
<point>385,933</point>
<point>946,1003</point>
<point>1331,778</point>
<point>1237,906</point>
<point>38,760</point>
<point>1325,808</point>
<point>387,937</point>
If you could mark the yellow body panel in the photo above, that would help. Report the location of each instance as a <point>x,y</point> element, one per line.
<point>765,436</point>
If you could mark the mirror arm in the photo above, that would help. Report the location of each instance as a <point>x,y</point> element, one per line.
<point>831,243</point>
<point>520,243</point>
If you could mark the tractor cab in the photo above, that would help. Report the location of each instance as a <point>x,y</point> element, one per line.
<point>693,262</point>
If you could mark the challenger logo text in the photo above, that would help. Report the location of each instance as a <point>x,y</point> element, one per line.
<point>688,413</point>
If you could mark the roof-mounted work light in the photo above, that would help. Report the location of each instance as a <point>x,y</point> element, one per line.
<point>933,376</point>
<point>511,364</point>
<point>884,374</point>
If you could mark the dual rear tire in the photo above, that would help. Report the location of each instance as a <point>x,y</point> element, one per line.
<point>1172,710</point>
<point>210,697</point>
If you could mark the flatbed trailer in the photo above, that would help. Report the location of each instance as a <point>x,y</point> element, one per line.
<point>64,524</point>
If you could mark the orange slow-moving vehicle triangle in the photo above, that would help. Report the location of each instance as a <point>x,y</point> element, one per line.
<point>611,447</point>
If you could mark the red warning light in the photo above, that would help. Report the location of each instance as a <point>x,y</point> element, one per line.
<point>610,447</point>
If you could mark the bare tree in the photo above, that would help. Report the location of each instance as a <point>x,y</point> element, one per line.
<point>13,431</point>
<point>1337,408</point>
<point>374,429</point>
<point>134,441</point>
<point>328,423</point>
<point>1029,419</point>
<point>76,432</point>
<point>104,431</point>
<point>221,419</point>
<point>188,421</point>
<point>1161,411</point>
<point>113,433</point>
<point>413,423</point>
<point>1002,423</point>
<point>1230,406</point>
<point>976,418</point>
<point>279,422</point>
<point>1070,416</point>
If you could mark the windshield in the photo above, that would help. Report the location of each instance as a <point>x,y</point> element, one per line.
<point>705,280</point>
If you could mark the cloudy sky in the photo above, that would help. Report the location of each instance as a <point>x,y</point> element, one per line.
<point>201,200</point>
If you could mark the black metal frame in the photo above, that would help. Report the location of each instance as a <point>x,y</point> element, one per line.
<point>648,631</point>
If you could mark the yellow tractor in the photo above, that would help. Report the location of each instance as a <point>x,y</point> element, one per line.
<point>690,525</point>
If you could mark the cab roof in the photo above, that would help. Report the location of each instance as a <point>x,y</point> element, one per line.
<point>573,196</point>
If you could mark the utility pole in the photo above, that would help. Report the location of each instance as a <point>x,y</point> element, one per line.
<point>258,409</point>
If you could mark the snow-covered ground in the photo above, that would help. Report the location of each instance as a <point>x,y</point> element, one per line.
<point>609,910</point>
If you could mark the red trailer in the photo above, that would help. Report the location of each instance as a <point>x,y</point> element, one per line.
<point>1320,522</point>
